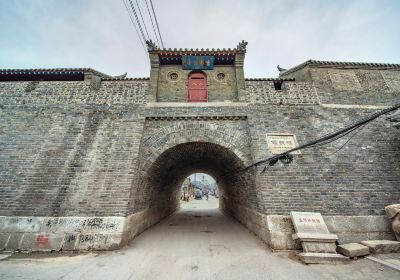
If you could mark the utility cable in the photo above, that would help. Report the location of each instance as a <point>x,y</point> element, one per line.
<point>155,19</point>
<point>152,23</point>
<point>348,140</point>
<point>144,24</point>
<point>137,20</point>
<point>134,25</point>
<point>286,156</point>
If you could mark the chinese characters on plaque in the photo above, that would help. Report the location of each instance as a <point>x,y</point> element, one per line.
<point>281,142</point>
<point>306,222</point>
<point>203,62</point>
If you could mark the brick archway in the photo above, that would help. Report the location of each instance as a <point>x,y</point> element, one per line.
<point>174,148</point>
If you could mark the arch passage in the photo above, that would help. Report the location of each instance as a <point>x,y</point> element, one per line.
<point>197,87</point>
<point>159,187</point>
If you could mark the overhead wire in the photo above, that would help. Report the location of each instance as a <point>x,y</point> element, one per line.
<point>137,20</point>
<point>155,19</point>
<point>144,23</point>
<point>348,140</point>
<point>152,23</point>
<point>133,23</point>
<point>287,157</point>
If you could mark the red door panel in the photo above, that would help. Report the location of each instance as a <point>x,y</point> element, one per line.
<point>197,87</point>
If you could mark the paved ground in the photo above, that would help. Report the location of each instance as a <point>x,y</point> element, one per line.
<point>198,242</point>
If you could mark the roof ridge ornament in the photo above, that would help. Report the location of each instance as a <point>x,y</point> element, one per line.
<point>242,46</point>
<point>123,76</point>
<point>151,46</point>
<point>280,69</point>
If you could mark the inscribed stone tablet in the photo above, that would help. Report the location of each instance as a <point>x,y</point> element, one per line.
<point>281,142</point>
<point>308,222</point>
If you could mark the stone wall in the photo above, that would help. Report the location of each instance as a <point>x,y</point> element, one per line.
<point>349,85</point>
<point>264,92</point>
<point>357,86</point>
<point>118,92</point>
<point>176,90</point>
<point>67,161</point>
<point>360,178</point>
<point>79,151</point>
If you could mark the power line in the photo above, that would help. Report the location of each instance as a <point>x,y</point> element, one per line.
<point>151,19</point>
<point>133,23</point>
<point>287,157</point>
<point>158,28</point>
<point>144,24</point>
<point>137,20</point>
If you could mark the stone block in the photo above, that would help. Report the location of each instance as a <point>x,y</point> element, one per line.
<point>14,241</point>
<point>282,241</point>
<point>3,240</point>
<point>322,258</point>
<point>70,241</point>
<point>279,223</point>
<point>392,210</point>
<point>41,242</point>
<point>357,224</point>
<point>20,224</point>
<point>318,247</point>
<point>104,224</point>
<point>353,250</point>
<point>98,241</point>
<point>382,246</point>
<point>315,237</point>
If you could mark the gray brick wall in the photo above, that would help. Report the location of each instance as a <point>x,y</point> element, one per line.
<point>67,149</point>
<point>77,93</point>
<point>263,92</point>
<point>351,85</point>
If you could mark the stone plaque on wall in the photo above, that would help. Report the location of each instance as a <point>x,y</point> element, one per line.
<point>281,142</point>
<point>308,222</point>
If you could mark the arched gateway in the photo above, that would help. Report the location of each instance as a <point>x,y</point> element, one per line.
<point>88,161</point>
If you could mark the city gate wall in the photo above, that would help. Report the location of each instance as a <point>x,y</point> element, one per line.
<point>70,156</point>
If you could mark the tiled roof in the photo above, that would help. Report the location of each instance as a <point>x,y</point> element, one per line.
<point>167,52</point>
<point>126,79</point>
<point>269,79</point>
<point>153,48</point>
<point>52,74</point>
<point>319,63</point>
<point>52,71</point>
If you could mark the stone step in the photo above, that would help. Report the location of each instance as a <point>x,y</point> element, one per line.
<point>322,258</point>
<point>353,250</point>
<point>382,246</point>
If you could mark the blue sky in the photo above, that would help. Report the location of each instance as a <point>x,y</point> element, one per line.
<point>99,34</point>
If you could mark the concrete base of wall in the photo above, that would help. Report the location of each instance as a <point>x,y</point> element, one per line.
<point>75,233</point>
<point>277,230</point>
<point>110,233</point>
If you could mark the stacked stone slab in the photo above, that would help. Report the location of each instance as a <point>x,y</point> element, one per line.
<point>319,245</point>
<point>382,246</point>
<point>353,250</point>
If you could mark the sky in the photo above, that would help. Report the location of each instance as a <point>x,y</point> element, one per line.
<point>100,35</point>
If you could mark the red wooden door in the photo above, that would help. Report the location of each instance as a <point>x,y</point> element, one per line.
<point>197,87</point>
